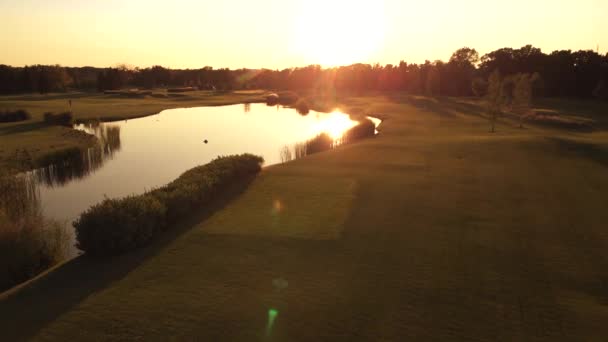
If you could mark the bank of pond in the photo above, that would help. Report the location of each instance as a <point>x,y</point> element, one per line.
<point>129,187</point>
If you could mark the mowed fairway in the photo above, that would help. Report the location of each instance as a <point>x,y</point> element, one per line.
<point>433,230</point>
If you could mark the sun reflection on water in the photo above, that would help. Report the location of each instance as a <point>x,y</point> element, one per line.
<point>335,124</point>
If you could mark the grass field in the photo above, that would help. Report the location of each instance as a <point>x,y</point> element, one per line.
<point>433,230</point>
<point>24,142</point>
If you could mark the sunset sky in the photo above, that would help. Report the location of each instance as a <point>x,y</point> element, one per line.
<point>278,33</point>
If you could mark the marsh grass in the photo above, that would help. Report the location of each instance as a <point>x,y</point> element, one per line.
<point>29,243</point>
<point>61,166</point>
<point>285,154</point>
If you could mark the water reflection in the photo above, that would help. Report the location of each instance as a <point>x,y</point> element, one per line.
<point>335,130</point>
<point>80,164</point>
<point>141,154</point>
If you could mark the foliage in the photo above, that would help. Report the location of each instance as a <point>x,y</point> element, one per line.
<point>320,143</point>
<point>60,119</point>
<point>562,73</point>
<point>119,225</point>
<point>14,116</point>
<point>302,107</point>
<point>479,87</point>
<point>494,98</point>
<point>288,97</point>
<point>29,243</point>
<point>364,129</point>
<point>522,96</point>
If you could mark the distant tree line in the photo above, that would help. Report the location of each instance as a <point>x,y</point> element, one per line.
<point>562,73</point>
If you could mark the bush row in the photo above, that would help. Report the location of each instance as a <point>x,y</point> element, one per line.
<point>14,116</point>
<point>61,119</point>
<point>116,226</point>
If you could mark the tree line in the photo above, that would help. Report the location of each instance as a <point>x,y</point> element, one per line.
<point>562,73</point>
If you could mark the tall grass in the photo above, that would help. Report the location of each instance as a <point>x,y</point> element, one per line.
<point>285,154</point>
<point>29,243</point>
<point>300,150</point>
<point>323,142</point>
<point>62,166</point>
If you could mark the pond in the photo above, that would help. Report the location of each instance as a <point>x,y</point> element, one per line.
<point>141,154</point>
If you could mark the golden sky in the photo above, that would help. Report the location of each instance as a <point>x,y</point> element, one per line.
<point>279,34</point>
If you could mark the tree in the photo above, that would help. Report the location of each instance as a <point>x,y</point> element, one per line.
<point>494,98</point>
<point>522,96</point>
<point>479,86</point>
<point>433,79</point>
<point>465,56</point>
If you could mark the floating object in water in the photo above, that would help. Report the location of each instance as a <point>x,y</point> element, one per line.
<point>205,141</point>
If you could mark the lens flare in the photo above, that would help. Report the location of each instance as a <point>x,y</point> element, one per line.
<point>272,316</point>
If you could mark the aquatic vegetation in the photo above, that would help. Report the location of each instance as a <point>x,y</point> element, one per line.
<point>29,243</point>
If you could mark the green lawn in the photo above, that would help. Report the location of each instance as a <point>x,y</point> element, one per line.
<point>433,230</point>
<point>24,142</point>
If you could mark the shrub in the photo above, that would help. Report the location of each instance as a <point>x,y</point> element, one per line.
<point>288,97</point>
<point>272,99</point>
<point>60,119</point>
<point>14,116</point>
<point>365,128</point>
<point>320,143</point>
<point>200,184</point>
<point>119,225</point>
<point>302,107</point>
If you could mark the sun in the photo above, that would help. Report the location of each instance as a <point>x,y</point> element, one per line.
<point>336,32</point>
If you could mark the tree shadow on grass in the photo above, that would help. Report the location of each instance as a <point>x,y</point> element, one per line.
<point>594,152</point>
<point>444,106</point>
<point>47,97</point>
<point>27,309</point>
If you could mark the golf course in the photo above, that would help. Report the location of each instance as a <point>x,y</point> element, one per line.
<point>434,229</point>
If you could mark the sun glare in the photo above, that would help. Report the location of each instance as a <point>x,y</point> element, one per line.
<point>336,125</point>
<point>333,33</point>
